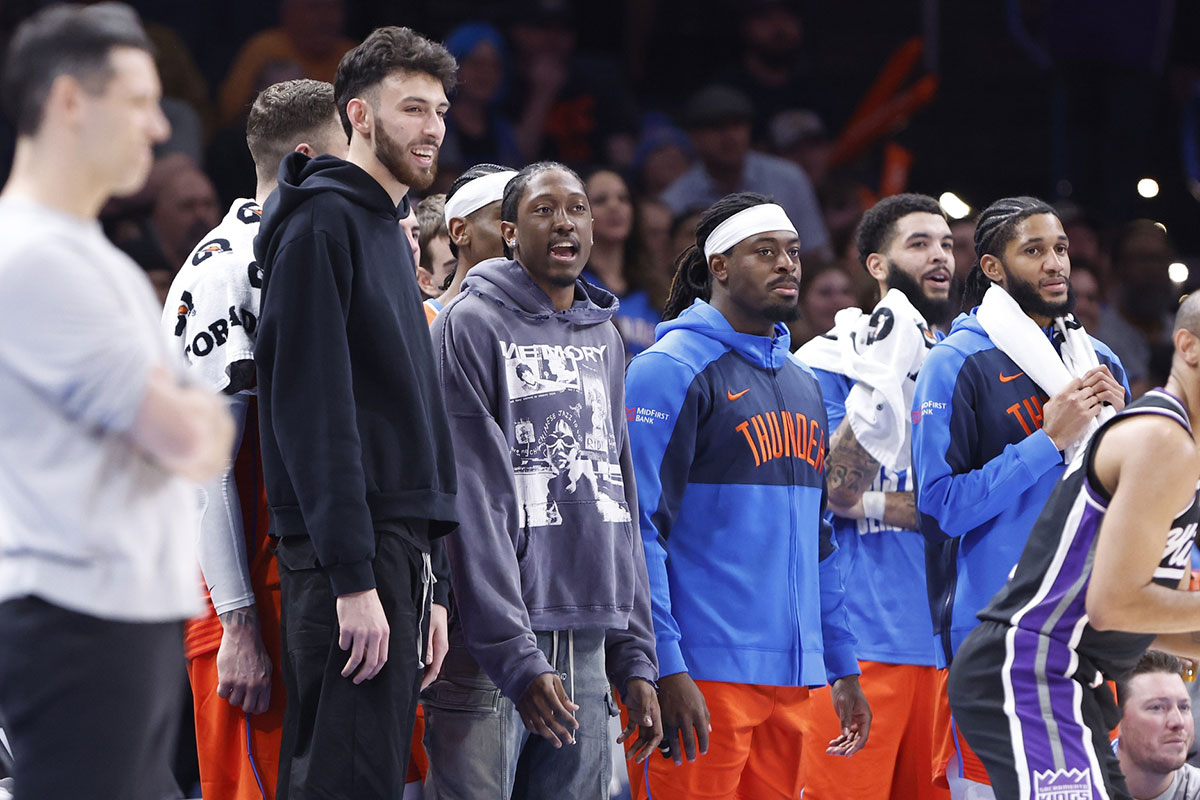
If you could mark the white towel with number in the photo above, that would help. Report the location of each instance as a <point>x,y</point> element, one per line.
<point>882,353</point>
<point>1016,335</point>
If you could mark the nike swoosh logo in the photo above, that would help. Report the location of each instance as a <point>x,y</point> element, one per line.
<point>1006,378</point>
<point>733,396</point>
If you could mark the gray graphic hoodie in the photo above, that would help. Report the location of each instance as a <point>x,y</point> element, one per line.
<point>548,537</point>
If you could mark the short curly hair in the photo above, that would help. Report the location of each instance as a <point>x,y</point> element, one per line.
<point>877,227</point>
<point>384,51</point>
<point>285,114</point>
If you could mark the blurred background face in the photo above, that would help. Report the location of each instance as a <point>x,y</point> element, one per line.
<point>612,207</point>
<point>964,247</point>
<point>655,219</point>
<point>480,73</point>
<point>825,294</point>
<point>1087,297</point>
<point>314,26</point>
<point>774,34</point>
<point>722,146</point>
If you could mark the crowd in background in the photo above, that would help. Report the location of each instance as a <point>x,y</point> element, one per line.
<point>670,105</point>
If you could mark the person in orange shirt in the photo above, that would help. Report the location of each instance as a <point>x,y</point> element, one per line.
<point>309,35</point>
<point>211,318</point>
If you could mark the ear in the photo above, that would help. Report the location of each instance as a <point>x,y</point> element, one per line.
<point>508,232</point>
<point>877,267</point>
<point>1187,347</point>
<point>459,231</point>
<point>307,149</point>
<point>64,100</point>
<point>425,282</point>
<point>361,117</point>
<point>992,268</point>
<point>718,265</point>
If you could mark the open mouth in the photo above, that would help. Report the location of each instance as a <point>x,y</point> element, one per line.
<point>423,155</point>
<point>564,251</point>
<point>940,277</point>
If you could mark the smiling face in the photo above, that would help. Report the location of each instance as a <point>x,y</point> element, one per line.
<point>611,206</point>
<point>1157,727</point>
<point>553,231</point>
<point>410,124</point>
<point>920,262</point>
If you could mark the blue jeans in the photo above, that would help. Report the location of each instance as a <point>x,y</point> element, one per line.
<point>479,748</point>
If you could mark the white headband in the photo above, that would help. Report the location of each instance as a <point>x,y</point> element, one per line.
<point>476,194</point>
<point>744,224</point>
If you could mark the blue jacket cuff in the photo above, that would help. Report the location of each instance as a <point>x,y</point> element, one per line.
<point>670,657</point>
<point>840,661</point>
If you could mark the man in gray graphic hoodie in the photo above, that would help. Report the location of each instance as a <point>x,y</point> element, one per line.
<point>551,600</point>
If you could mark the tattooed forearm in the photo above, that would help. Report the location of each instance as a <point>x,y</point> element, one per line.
<point>246,617</point>
<point>900,510</point>
<point>850,468</point>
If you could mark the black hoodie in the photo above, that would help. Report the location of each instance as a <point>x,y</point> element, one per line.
<point>354,432</point>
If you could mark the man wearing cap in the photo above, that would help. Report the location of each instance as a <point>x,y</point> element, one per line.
<point>718,120</point>
<point>729,436</point>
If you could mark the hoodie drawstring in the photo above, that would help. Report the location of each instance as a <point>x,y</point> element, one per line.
<point>569,675</point>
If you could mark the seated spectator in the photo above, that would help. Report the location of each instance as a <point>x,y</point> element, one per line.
<point>662,155</point>
<point>184,206</point>
<point>1089,297</point>
<point>1156,731</point>
<point>309,33</point>
<point>654,221</point>
<point>799,135</point>
<point>1140,315</point>
<point>825,289</point>
<point>718,122</point>
<point>476,131</point>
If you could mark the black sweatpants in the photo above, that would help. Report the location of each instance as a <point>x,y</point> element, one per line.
<point>91,706</point>
<point>342,740</point>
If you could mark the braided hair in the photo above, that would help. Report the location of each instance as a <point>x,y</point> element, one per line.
<point>516,187</point>
<point>692,279</point>
<point>996,228</point>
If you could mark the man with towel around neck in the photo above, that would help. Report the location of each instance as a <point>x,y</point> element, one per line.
<point>1001,406</point>
<point>867,366</point>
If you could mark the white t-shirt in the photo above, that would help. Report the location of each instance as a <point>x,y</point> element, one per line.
<point>87,522</point>
<point>212,307</point>
<point>1185,785</point>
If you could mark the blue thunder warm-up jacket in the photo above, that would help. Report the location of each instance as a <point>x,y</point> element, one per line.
<point>984,470</point>
<point>729,435</point>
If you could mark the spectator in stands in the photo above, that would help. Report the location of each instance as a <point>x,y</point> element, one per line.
<point>476,130</point>
<point>1089,297</point>
<point>619,263</point>
<point>825,289</point>
<point>718,121</point>
<point>185,205</point>
<point>569,107</point>
<point>1140,314</point>
<point>663,154</point>
<point>1157,730</point>
<point>799,135</point>
<point>309,33</point>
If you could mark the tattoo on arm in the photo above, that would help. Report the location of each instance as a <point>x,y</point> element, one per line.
<point>246,616</point>
<point>850,468</point>
<point>901,510</point>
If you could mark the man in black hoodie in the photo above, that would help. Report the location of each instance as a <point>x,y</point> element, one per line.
<point>355,444</point>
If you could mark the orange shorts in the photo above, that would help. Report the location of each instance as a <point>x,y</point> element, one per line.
<point>233,761</point>
<point>418,762</point>
<point>947,739</point>
<point>896,760</point>
<point>753,750</point>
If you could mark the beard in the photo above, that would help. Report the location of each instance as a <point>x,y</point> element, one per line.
<point>1031,301</point>
<point>392,155</point>
<point>935,311</point>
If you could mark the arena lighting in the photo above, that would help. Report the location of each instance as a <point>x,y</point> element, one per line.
<point>1177,272</point>
<point>954,206</point>
<point>1147,188</point>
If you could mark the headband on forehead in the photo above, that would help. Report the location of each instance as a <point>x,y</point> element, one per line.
<point>744,224</point>
<point>476,194</point>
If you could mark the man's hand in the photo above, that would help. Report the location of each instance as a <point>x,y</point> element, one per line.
<point>1106,387</point>
<point>641,702</point>
<point>546,710</point>
<point>243,666</point>
<point>438,644</point>
<point>1068,413</point>
<point>683,710</point>
<point>363,630</point>
<point>854,714</point>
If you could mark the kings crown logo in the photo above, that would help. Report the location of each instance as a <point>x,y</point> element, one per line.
<point>1063,784</point>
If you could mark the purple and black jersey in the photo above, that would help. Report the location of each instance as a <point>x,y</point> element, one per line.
<point>1027,687</point>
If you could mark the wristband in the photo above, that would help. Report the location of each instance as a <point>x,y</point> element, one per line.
<point>873,504</point>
